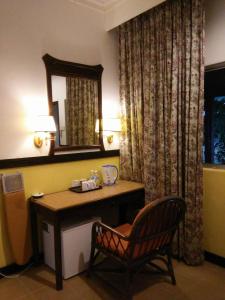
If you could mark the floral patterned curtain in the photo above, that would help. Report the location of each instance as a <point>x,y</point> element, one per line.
<point>81,111</point>
<point>161,87</point>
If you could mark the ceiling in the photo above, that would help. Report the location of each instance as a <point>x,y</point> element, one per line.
<point>100,5</point>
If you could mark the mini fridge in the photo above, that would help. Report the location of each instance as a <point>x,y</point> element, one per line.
<point>75,243</point>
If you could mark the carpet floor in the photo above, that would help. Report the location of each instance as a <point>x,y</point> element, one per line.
<point>206,282</point>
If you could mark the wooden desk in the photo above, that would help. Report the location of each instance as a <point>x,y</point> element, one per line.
<point>112,204</point>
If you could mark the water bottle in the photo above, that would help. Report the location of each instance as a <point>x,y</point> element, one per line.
<point>95,176</point>
<point>92,177</point>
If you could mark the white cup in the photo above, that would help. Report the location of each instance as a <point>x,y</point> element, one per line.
<point>75,183</point>
<point>84,185</point>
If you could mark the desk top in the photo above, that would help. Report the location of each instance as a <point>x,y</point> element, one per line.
<point>66,199</point>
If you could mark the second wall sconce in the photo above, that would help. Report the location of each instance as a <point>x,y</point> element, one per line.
<point>110,125</point>
<point>44,125</point>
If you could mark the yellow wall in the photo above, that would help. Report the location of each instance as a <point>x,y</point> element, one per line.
<point>47,178</point>
<point>57,177</point>
<point>214,210</point>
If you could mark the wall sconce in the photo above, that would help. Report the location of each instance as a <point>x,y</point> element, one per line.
<point>110,125</point>
<point>42,127</point>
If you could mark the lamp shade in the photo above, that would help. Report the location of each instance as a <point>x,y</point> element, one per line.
<point>109,124</point>
<point>44,124</point>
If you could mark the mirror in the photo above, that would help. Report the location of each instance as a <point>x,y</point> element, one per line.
<point>75,109</point>
<point>74,93</point>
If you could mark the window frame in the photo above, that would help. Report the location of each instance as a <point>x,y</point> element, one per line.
<point>208,115</point>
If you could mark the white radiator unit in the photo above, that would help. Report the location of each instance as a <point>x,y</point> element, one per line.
<point>75,244</point>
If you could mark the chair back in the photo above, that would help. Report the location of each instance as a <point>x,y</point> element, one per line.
<point>155,225</point>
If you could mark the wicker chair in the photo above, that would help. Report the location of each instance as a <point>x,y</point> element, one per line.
<point>148,238</point>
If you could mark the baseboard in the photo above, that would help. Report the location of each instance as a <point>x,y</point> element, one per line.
<point>14,268</point>
<point>215,259</point>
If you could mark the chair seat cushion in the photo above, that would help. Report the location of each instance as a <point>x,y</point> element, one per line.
<point>112,242</point>
<point>124,229</point>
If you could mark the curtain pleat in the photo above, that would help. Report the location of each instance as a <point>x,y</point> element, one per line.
<point>161,88</point>
<point>81,108</point>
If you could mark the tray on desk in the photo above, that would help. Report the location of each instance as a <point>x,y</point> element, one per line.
<point>78,189</point>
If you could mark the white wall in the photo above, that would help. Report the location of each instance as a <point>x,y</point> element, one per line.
<point>215,31</point>
<point>28,30</point>
<point>127,10</point>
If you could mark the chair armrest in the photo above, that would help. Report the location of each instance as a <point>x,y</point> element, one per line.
<point>101,228</point>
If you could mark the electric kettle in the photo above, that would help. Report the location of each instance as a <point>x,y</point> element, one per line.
<point>109,174</point>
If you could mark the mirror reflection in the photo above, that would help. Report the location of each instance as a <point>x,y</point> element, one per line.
<point>75,101</point>
<point>75,109</point>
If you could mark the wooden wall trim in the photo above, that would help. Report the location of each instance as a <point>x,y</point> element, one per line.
<point>216,66</point>
<point>43,160</point>
<point>215,259</point>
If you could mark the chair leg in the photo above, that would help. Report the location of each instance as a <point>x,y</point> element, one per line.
<point>170,268</point>
<point>92,259</point>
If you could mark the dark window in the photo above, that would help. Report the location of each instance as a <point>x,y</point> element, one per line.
<point>214,115</point>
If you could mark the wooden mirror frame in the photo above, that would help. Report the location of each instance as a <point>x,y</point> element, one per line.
<point>59,67</point>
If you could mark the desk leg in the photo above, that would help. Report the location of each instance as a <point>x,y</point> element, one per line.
<point>34,233</point>
<point>58,256</point>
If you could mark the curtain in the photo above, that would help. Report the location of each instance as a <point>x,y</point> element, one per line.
<point>161,89</point>
<point>81,111</point>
